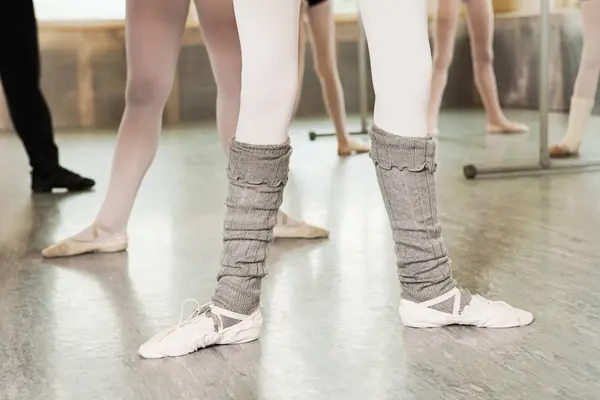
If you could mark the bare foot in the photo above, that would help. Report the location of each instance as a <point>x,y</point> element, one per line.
<point>352,147</point>
<point>507,126</point>
<point>561,151</point>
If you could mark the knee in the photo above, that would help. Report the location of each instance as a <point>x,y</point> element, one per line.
<point>279,88</point>
<point>443,49</point>
<point>229,87</point>
<point>147,91</point>
<point>483,55</point>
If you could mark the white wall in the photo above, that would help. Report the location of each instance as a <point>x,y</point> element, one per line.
<point>79,9</point>
<point>64,10</point>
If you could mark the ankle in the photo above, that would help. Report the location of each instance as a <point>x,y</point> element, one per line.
<point>109,228</point>
<point>44,173</point>
<point>497,120</point>
<point>237,294</point>
<point>447,306</point>
<point>570,144</point>
<point>444,301</point>
<point>229,317</point>
<point>343,139</point>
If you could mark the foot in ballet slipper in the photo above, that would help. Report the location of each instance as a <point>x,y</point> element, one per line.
<point>99,240</point>
<point>352,147</point>
<point>480,312</point>
<point>507,126</point>
<point>562,151</point>
<point>291,228</point>
<point>205,327</point>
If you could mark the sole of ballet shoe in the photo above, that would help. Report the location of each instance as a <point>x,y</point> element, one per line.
<point>494,130</point>
<point>355,148</point>
<point>196,336</point>
<point>352,152</point>
<point>299,232</point>
<point>71,248</point>
<point>479,313</point>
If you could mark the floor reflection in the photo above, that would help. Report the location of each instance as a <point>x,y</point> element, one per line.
<point>70,328</point>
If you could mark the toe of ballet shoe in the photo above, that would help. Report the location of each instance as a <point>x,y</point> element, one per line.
<point>60,249</point>
<point>71,247</point>
<point>485,313</point>
<point>316,232</point>
<point>301,231</point>
<point>480,312</point>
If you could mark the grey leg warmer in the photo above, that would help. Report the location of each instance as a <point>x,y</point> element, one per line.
<point>257,176</point>
<point>405,168</point>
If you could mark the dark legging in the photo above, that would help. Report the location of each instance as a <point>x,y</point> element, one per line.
<point>20,76</point>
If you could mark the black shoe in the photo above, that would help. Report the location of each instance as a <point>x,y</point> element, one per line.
<point>62,178</point>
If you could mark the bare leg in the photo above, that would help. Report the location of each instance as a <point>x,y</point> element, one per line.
<point>154,27</point>
<point>480,23</point>
<point>586,83</point>
<point>287,226</point>
<point>219,29</point>
<point>322,29</point>
<point>443,48</point>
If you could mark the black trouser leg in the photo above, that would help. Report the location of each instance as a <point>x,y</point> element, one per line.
<point>20,75</point>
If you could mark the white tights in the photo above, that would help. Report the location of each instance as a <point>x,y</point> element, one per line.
<point>400,58</point>
<point>268,30</point>
<point>586,83</point>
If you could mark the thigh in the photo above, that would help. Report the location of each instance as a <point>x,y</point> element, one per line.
<point>153,39</point>
<point>446,21</point>
<point>302,33</point>
<point>480,22</point>
<point>322,29</point>
<point>219,29</point>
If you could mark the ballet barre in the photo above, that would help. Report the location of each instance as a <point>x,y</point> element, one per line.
<point>544,165</point>
<point>363,88</point>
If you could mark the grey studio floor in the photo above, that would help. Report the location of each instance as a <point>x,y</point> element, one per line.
<point>69,328</point>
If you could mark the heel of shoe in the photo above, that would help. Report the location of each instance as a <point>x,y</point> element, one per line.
<point>113,248</point>
<point>245,331</point>
<point>415,316</point>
